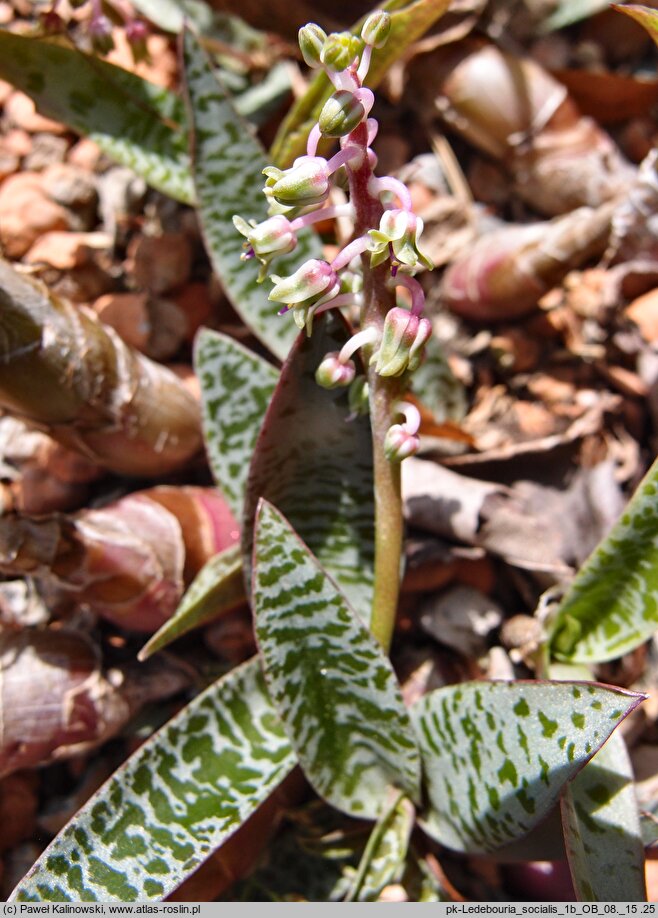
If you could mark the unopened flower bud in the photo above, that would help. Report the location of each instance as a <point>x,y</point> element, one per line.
<point>399,443</point>
<point>266,240</point>
<point>311,42</point>
<point>376,28</point>
<point>305,184</point>
<point>402,344</point>
<point>339,50</point>
<point>137,33</point>
<point>100,32</point>
<point>333,374</point>
<point>341,114</point>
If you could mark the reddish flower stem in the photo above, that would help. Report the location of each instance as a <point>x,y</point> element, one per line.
<point>384,392</point>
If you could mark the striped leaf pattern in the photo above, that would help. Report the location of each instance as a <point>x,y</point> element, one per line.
<point>183,793</point>
<point>236,387</point>
<point>315,466</point>
<point>612,604</point>
<point>602,828</point>
<point>329,679</point>
<point>227,164</point>
<point>135,122</point>
<point>217,588</point>
<point>496,755</point>
<point>385,855</point>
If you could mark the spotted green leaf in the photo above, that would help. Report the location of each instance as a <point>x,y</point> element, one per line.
<point>602,828</point>
<point>612,604</point>
<point>217,588</point>
<point>496,755</point>
<point>228,162</point>
<point>315,465</point>
<point>409,21</point>
<point>647,17</point>
<point>385,855</point>
<point>135,122</point>
<point>334,688</point>
<point>177,799</point>
<point>236,386</point>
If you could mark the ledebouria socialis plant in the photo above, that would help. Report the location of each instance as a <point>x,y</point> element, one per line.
<point>382,256</point>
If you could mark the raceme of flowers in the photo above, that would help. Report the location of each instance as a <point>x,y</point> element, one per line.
<point>298,197</point>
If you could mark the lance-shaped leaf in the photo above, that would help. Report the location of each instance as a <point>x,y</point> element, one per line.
<point>602,831</point>
<point>647,17</point>
<point>612,604</point>
<point>315,466</point>
<point>330,681</point>
<point>183,793</point>
<point>385,854</point>
<point>135,122</point>
<point>217,588</point>
<point>497,754</point>
<point>236,387</point>
<point>409,21</point>
<point>228,163</point>
<point>64,370</point>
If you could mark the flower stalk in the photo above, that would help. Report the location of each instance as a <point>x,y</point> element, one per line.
<point>383,254</point>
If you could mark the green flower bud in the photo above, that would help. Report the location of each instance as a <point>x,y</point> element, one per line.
<point>339,50</point>
<point>376,29</point>
<point>304,184</point>
<point>341,114</point>
<point>311,42</point>
<point>403,339</point>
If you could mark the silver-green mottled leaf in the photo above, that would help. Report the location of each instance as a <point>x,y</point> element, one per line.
<point>135,122</point>
<point>329,679</point>
<point>497,754</point>
<point>384,858</point>
<point>228,163</point>
<point>236,387</point>
<point>217,588</point>
<point>612,605</point>
<point>602,828</point>
<point>315,466</point>
<point>421,883</point>
<point>182,794</point>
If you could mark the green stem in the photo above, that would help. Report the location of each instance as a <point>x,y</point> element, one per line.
<point>383,394</point>
<point>388,511</point>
